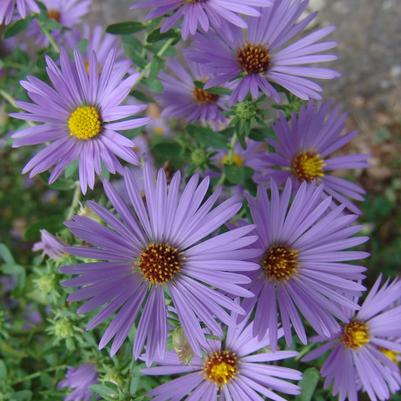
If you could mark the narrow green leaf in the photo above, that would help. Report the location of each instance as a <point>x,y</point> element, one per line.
<point>17,27</point>
<point>308,384</point>
<point>125,28</point>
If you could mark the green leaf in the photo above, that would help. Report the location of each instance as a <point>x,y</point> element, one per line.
<point>63,185</point>
<point>105,391</point>
<point>125,28</point>
<point>235,175</point>
<point>6,254</point>
<point>157,36</point>
<point>219,91</point>
<point>17,27</point>
<point>52,224</point>
<point>207,137</point>
<point>168,151</point>
<point>308,384</point>
<point>260,134</point>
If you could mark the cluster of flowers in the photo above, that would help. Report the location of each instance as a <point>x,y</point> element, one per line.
<point>168,253</point>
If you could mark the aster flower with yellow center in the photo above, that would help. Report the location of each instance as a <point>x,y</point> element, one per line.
<point>183,99</point>
<point>238,367</point>
<point>303,151</point>
<point>305,267</point>
<point>364,351</point>
<point>80,116</point>
<point>160,252</point>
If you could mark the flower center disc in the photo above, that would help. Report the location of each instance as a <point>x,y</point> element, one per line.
<point>254,58</point>
<point>54,14</point>
<point>355,335</point>
<point>280,263</point>
<point>204,97</point>
<point>307,166</point>
<point>159,263</point>
<point>221,367</point>
<point>85,123</point>
<point>237,160</point>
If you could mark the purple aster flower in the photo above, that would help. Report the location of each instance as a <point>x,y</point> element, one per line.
<point>79,380</point>
<point>67,13</point>
<point>163,248</point>
<point>239,368</point>
<point>23,8</point>
<point>364,352</point>
<point>304,270</point>
<point>303,152</point>
<point>103,44</point>
<point>201,13</point>
<point>49,245</point>
<point>267,54</point>
<point>184,96</point>
<point>80,115</point>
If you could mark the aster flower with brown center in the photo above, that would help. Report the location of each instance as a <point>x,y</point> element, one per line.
<point>158,254</point>
<point>184,95</point>
<point>305,269</point>
<point>270,53</point>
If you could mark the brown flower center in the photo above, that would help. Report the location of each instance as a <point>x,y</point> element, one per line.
<point>54,14</point>
<point>254,58</point>
<point>221,367</point>
<point>355,335</point>
<point>280,263</point>
<point>160,263</point>
<point>204,97</point>
<point>307,166</point>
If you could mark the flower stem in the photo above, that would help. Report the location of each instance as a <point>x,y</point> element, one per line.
<point>9,98</point>
<point>75,201</point>
<point>50,38</point>
<point>160,53</point>
<point>230,155</point>
<point>37,374</point>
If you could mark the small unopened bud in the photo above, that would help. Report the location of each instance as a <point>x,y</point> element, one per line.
<point>182,347</point>
<point>246,111</point>
<point>63,328</point>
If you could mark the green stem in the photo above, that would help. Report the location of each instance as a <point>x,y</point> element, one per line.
<point>160,53</point>
<point>230,155</point>
<point>50,38</point>
<point>37,374</point>
<point>75,201</point>
<point>9,98</point>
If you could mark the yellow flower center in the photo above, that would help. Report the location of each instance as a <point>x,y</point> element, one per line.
<point>159,263</point>
<point>85,123</point>
<point>280,263</point>
<point>392,355</point>
<point>235,159</point>
<point>355,335</point>
<point>221,367</point>
<point>307,166</point>
<point>254,58</point>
